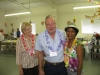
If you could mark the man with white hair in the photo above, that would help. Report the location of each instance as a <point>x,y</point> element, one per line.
<point>50,48</point>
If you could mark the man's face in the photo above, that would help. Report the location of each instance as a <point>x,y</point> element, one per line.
<point>50,25</point>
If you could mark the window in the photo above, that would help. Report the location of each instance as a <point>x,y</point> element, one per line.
<point>88,27</point>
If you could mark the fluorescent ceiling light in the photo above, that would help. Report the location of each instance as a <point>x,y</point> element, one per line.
<point>17,14</point>
<point>84,7</point>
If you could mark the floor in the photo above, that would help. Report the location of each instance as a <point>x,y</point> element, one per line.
<point>8,65</point>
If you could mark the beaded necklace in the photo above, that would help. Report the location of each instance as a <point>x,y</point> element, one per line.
<point>31,50</point>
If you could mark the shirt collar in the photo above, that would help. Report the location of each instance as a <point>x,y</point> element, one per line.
<point>46,31</point>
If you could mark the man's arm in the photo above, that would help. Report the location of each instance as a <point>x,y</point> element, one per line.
<point>41,62</point>
<point>38,47</point>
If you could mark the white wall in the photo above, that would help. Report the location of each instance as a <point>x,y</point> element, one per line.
<point>66,13</point>
<point>2,21</point>
<point>62,13</point>
<point>37,16</point>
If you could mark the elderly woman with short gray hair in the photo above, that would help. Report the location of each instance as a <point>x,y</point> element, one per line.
<point>25,52</point>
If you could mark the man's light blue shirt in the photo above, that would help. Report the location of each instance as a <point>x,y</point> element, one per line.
<point>41,45</point>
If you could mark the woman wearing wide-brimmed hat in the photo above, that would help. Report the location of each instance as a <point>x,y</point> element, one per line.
<point>73,53</point>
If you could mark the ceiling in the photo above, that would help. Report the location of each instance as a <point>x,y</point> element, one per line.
<point>10,5</point>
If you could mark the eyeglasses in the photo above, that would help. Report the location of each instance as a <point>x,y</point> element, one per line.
<point>28,29</point>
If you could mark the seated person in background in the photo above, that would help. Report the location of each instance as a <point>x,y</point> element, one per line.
<point>1,35</point>
<point>36,35</point>
<point>18,33</point>
<point>13,34</point>
<point>73,53</point>
<point>93,38</point>
<point>2,31</point>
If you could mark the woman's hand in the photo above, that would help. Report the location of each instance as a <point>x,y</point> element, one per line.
<point>21,72</point>
<point>41,72</point>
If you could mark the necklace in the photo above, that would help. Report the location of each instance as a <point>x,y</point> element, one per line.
<point>67,51</point>
<point>31,50</point>
<point>61,41</point>
<point>70,44</point>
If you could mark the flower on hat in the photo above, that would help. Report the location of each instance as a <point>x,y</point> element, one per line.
<point>68,22</point>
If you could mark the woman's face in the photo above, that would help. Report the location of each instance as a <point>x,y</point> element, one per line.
<point>71,34</point>
<point>27,30</point>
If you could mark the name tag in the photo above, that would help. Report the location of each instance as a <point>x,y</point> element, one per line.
<point>52,53</point>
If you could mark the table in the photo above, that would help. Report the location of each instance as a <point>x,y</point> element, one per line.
<point>8,45</point>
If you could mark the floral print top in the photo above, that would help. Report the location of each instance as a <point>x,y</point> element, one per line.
<point>70,56</point>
